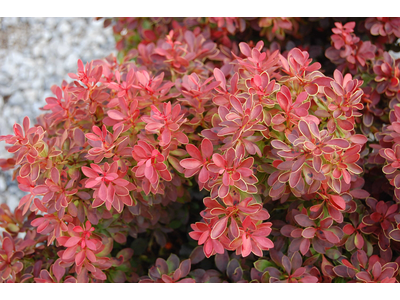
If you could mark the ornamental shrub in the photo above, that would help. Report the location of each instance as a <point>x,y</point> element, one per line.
<point>215,150</point>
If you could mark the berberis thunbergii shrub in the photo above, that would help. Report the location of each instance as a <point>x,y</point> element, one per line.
<point>215,150</point>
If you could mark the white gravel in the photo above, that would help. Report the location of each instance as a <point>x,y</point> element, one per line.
<point>36,53</point>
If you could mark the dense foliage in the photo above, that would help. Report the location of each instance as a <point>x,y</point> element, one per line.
<point>215,150</point>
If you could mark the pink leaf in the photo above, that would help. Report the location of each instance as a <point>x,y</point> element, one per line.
<point>58,271</point>
<point>116,115</point>
<point>72,241</point>
<point>219,228</point>
<point>190,163</point>
<point>309,232</point>
<point>89,172</point>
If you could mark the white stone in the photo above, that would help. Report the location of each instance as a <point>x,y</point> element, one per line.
<point>395,55</point>
<point>37,83</point>
<point>50,23</point>
<point>37,50</point>
<point>2,183</point>
<point>17,58</point>
<point>71,61</point>
<point>16,99</point>
<point>50,68</point>
<point>64,27</point>
<point>30,95</point>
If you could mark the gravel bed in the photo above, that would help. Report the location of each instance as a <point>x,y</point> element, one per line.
<point>36,53</point>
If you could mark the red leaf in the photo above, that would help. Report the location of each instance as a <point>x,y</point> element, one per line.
<point>309,232</point>
<point>58,271</point>
<point>311,89</point>
<point>348,229</point>
<point>358,139</point>
<point>282,100</point>
<point>364,276</point>
<point>89,172</point>
<point>395,234</point>
<point>304,246</point>
<point>337,202</point>
<point>25,170</point>
<point>219,160</point>
<point>219,76</point>
<point>80,257</point>
<point>190,163</point>
<point>102,191</point>
<point>341,143</point>
<point>246,245</point>
<point>358,241</point>
<point>194,152</point>
<point>294,178</point>
<point>40,190</point>
<point>69,253</point>
<point>92,137</point>
<point>304,220</point>
<point>219,228</point>
<point>72,241</point>
<point>8,246</point>
<point>331,237</point>
<point>115,115</point>
<point>207,148</point>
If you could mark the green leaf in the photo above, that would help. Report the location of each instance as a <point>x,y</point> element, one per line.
<point>333,253</point>
<point>45,151</point>
<point>12,227</point>
<point>139,246</point>
<point>339,280</point>
<point>265,277</point>
<point>123,268</point>
<point>261,264</point>
<point>175,224</point>
<point>370,249</point>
